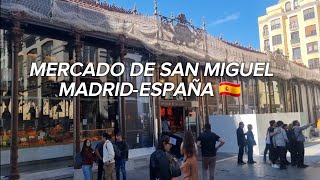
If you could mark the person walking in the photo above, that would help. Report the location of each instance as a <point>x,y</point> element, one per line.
<point>207,142</point>
<point>121,163</point>
<point>300,139</point>
<point>269,146</point>
<point>241,143</point>
<point>88,159</point>
<point>189,150</point>
<point>280,139</point>
<point>165,124</point>
<point>250,142</point>
<point>159,161</point>
<point>108,158</point>
<point>99,153</point>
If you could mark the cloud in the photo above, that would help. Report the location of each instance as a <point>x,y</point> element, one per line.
<point>231,17</point>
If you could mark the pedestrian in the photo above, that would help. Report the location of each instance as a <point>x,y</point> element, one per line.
<point>108,158</point>
<point>99,153</point>
<point>279,140</point>
<point>241,143</point>
<point>292,145</point>
<point>207,142</point>
<point>250,143</point>
<point>300,139</point>
<point>88,159</point>
<point>286,128</point>
<point>121,163</point>
<point>165,124</point>
<point>160,162</point>
<point>269,142</point>
<point>189,150</point>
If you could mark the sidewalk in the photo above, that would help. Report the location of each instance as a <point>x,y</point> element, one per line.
<point>226,169</point>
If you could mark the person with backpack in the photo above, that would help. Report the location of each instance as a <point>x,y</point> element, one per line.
<point>300,139</point>
<point>207,142</point>
<point>189,150</point>
<point>121,161</point>
<point>161,161</point>
<point>88,159</point>
<point>108,158</point>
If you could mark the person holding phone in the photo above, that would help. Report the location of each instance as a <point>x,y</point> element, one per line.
<point>300,139</point>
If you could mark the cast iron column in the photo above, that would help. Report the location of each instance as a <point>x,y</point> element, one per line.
<point>76,111</point>
<point>17,34</point>
<point>123,52</point>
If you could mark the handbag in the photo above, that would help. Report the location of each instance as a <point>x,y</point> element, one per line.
<point>175,170</point>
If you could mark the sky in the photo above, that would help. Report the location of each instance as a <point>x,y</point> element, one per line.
<point>236,20</point>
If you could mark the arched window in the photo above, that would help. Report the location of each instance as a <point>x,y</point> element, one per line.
<point>46,51</point>
<point>288,6</point>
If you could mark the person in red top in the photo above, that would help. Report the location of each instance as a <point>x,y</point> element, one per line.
<point>88,159</point>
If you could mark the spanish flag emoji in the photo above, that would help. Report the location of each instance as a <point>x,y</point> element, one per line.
<point>230,89</point>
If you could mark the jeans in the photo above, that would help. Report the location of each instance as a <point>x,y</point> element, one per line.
<point>100,170</point>
<point>121,164</point>
<point>250,153</point>
<point>267,148</point>
<point>240,154</point>
<point>300,153</point>
<point>87,172</point>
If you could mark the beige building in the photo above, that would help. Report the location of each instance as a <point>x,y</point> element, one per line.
<point>292,26</point>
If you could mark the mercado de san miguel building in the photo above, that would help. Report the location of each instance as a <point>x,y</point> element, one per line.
<point>35,119</point>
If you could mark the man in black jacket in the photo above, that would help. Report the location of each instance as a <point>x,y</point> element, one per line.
<point>241,143</point>
<point>121,163</point>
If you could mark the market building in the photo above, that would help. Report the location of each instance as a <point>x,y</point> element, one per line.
<point>37,124</point>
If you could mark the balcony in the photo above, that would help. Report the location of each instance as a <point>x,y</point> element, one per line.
<point>276,26</point>
<point>294,26</point>
<point>295,41</point>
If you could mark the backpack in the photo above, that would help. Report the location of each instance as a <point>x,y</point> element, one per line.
<point>78,161</point>
<point>117,152</point>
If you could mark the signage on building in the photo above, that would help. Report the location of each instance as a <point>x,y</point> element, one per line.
<point>176,103</point>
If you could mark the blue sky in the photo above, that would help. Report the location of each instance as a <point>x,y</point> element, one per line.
<point>235,19</point>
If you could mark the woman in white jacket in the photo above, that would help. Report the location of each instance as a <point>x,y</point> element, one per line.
<point>279,141</point>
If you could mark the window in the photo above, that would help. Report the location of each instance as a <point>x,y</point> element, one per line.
<point>276,39</point>
<point>314,63</point>
<point>295,37</point>
<point>294,22</point>
<point>296,53</point>
<point>266,45</point>
<point>265,30</point>
<point>275,24</point>
<point>308,14</point>
<point>312,47</point>
<point>295,4</point>
<point>288,6</point>
<point>311,30</point>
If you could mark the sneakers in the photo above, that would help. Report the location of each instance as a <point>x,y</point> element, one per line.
<point>275,166</point>
<point>241,163</point>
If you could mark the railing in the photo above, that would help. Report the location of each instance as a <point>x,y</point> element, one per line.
<point>276,26</point>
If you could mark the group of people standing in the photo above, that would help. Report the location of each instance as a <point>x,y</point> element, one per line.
<point>163,166</point>
<point>110,158</point>
<point>282,138</point>
<point>243,142</point>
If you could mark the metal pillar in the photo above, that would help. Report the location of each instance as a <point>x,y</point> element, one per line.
<point>17,34</point>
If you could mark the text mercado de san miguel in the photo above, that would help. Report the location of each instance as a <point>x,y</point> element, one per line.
<point>53,69</point>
